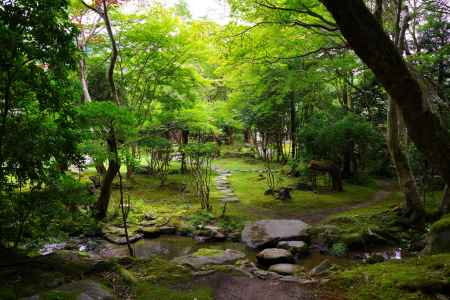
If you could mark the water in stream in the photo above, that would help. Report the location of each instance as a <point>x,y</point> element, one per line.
<point>171,246</point>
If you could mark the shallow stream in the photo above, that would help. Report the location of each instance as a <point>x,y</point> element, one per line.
<point>171,246</point>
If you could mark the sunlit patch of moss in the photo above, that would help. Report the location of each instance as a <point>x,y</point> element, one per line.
<point>158,270</point>
<point>249,187</point>
<point>208,252</point>
<point>413,279</point>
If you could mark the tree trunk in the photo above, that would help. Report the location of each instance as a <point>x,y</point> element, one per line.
<point>105,192</point>
<point>84,83</point>
<point>414,206</point>
<point>184,141</point>
<point>293,127</point>
<point>347,160</point>
<point>114,53</point>
<point>416,99</point>
<point>405,176</point>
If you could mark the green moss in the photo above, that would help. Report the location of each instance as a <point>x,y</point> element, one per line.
<point>208,252</point>
<point>151,291</point>
<point>158,270</point>
<point>442,225</point>
<point>127,276</point>
<point>375,224</point>
<point>412,279</point>
<point>249,187</point>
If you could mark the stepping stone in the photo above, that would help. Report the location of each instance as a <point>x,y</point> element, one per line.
<point>296,247</point>
<point>273,256</point>
<point>284,269</point>
<point>230,200</point>
<point>205,257</point>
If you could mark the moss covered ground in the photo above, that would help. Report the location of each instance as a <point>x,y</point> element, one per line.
<point>249,185</point>
<point>419,278</point>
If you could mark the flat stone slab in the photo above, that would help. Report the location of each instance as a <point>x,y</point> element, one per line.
<point>205,257</point>
<point>265,233</point>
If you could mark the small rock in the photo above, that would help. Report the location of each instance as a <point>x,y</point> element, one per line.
<point>265,275</point>
<point>296,247</point>
<point>322,268</point>
<point>273,256</point>
<point>284,194</point>
<point>149,216</point>
<point>284,269</point>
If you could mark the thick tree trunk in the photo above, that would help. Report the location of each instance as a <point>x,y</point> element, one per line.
<point>415,98</point>
<point>101,206</point>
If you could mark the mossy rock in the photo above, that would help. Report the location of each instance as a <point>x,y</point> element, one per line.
<point>209,252</point>
<point>439,236</point>
<point>442,225</point>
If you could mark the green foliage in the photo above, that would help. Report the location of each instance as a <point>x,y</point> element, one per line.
<point>38,137</point>
<point>326,137</point>
<point>338,249</point>
<point>34,217</point>
<point>201,218</point>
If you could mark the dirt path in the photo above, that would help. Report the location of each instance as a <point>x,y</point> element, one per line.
<point>386,190</point>
<point>229,287</point>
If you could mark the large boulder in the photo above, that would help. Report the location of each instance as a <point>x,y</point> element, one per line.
<point>266,233</point>
<point>273,256</point>
<point>205,257</point>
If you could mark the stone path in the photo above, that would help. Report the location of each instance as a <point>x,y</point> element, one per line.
<point>223,186</point>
